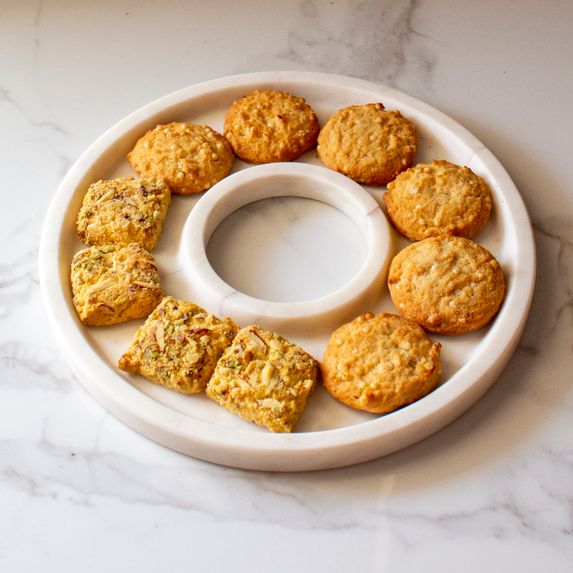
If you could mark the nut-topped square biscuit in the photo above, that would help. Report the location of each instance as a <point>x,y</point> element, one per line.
<point>123,211</point>
<point>112,285</point>
<point>264,379</point>
<point>178,346</point>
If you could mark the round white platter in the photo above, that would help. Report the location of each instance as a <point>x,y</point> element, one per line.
<point>306,258</point>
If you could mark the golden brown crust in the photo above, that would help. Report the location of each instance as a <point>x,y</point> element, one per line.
<point>379,363</point>
<point>367,143</point>
<point>264,379</point>
<point>266,126</point>
<point>448,285</point>
<point>114,284</point>
<point>123,211</point>
<point>440,198</point>
<point>189,158</point>
<point>178,346</point>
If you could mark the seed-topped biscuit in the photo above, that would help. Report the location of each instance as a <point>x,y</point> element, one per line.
<point>368,143</point>
<point>178,346</point>
<point>264,379</point>
<point>447,284</point>
<point>114,284</point>
<point>123,211</point>
<point>438,198</point>
<point>379,363</point>
<point>189,158</point>
<point>266,126</point>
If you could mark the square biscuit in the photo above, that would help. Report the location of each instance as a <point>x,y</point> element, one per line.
<point>112,285</point>
<point>264,379</point>
<point>178,346</point>
<point>123,211</point>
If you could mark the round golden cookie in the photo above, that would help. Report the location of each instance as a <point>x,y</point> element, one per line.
<point>189,158</point>
<point>439,198</point>
<point>266,126</point>
<point>448,284</point>
<point>368,143</point>
<point>379,363</point>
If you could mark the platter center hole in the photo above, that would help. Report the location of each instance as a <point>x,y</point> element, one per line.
<point>287,249</point>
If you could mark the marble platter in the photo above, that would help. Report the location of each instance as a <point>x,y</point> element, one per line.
<point>308,292</point>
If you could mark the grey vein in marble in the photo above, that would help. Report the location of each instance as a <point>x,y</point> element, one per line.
<point>365,39</point>
<point>27,367</point>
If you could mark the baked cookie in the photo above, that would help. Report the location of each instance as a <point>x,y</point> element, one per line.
<point>439,198</point>
<point>114,284</point>
<point>367,143</point>
<point>266,126</point>
<point>178,346</point>
<point>123,211</point>
<point>189,158</point>
<point>379,363</point>
<point>447,284</point>
<point>264,379</point>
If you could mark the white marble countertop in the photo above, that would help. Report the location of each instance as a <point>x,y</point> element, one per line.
<point>79,491</point>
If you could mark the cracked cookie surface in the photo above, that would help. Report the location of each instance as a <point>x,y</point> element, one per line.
<point>190,158</point>
<point>368,143</point>
<point>267,126</point>
<point>439,198</point>
<point>380,362</point>
<point>447,284</point>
